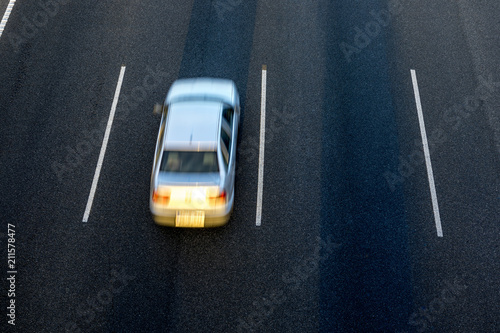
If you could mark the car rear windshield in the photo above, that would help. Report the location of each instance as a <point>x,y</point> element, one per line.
<point>189,161</point>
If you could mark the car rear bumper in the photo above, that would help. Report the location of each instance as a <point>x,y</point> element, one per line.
<point>167,217</point>
<point>210,221</point>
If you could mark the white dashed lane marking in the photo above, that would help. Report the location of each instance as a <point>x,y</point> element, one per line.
<point>6,15</point>
<point>104,145</point>
<point>260,185</point>
<point>425,144</point>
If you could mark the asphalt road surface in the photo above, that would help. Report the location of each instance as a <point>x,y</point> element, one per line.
<point>363,230</point>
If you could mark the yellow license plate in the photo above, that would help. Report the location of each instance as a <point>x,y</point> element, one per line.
<point>190,219</point>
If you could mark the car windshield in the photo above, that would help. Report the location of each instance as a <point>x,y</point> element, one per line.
<point>189,161</point>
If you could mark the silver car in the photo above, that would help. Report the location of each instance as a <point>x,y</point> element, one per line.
<point>192,182</point>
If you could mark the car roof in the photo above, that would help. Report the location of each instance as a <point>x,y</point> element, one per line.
<point>193,125</point>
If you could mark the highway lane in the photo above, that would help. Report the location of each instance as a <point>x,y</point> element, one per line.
<point>367,286</point>
<point>50,97</point>
<point>204,274</point>
<point>456,102</point>
<point>334,129</point>
<point>58,90</point>
<point>223,280</point>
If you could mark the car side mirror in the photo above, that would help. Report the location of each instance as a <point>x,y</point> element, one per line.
<point>157,108</point>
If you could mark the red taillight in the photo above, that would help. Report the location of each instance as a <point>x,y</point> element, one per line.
<point>222,195</point>
<point>160,198</point>
<point>219,199</point>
